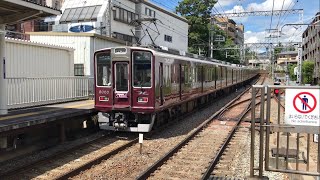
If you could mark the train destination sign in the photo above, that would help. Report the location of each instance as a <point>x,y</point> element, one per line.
<point>302,107</point>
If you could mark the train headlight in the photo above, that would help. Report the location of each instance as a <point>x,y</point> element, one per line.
<point>143,99</point>
<point>103,98</point>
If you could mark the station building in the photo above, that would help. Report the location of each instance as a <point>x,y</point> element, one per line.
<point>117,22</point>
<point>311,46</point>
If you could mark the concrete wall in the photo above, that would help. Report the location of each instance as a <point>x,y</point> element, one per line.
<point>84,44</point>
<point>29,59</point>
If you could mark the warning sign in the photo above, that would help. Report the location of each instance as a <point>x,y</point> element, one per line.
<point>302,107</point>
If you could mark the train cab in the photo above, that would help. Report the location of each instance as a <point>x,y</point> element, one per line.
<point>124,90</point>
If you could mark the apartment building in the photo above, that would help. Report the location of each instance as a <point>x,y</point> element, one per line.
<point>90,25</point>
<point>311,46</point>
<point>286,58</point>
<point>232,29</point>
<point>133,21</point>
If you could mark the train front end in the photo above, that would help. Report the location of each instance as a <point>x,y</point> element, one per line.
<point>124,90</point>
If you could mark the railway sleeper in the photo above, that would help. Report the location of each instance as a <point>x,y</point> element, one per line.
<point>185,173</point>
<point>222,178</point>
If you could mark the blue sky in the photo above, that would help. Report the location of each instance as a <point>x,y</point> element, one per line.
<point>255,26</point>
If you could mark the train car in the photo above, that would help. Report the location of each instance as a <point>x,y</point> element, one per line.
<point>139,88</point>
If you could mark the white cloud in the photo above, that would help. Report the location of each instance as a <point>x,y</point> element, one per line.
<point>267,5</point>
<point>254,37</point>
<point>236,9</point>
<point>290,34</point>
<point>226,2</point>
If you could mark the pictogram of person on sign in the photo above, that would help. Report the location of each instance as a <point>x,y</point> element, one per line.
<point>305,99</point>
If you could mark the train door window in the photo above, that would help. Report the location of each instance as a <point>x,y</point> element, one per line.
<point>142,76</point>
<point>174,75</point>
<point>199,74</point>
<point>182,74</point>
<point>103,69</point>
<point>121,76</point>
<point>194,71</point>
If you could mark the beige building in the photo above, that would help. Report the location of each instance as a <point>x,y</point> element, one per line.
<point>286,58</point>
<point>232,29</point>
<point>311,45</point>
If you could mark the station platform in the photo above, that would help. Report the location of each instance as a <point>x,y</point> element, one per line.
<point>27,117</point>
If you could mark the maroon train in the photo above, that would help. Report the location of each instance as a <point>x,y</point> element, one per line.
<point>139,88</point>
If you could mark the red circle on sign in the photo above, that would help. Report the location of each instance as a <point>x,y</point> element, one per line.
<point>310,109</point>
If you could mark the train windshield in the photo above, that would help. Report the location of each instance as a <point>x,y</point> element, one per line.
<point>142,69</point>
<point>121,76</point>
<point>103,71</point>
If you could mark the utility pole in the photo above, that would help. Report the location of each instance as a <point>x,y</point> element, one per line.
<point>108,19</point>
<point>299,73</point>
<point>211,36</point>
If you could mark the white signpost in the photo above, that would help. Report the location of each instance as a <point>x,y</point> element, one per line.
<point>302,107</point>
<point>316,138</point>
<point>140,142</point>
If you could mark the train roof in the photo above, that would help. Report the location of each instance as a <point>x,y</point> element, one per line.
<point>163,52</point>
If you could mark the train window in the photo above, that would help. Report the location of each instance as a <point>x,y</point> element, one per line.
<point>121,76</point>
<point>103,70</point>
<point>142,69</point>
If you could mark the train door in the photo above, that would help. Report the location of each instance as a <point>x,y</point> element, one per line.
<point>202,78</point>
<point>161,83</point>
<point>180,81</point>
<point>121,95</point>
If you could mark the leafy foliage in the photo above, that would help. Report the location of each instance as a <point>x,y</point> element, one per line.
<point>292,76</point>
<point>307,71</point>
<point>277,49</point>
<point>197,12</point>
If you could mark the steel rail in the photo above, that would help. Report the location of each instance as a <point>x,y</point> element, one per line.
<point>216,159</point>
<point>76,171</point>
<point>24,168</point>
<point>164,158</point>
<point>235,104</point>
<point>97,160</point>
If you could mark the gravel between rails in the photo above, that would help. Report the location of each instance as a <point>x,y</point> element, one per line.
<point>53,168</point>
<point>129,163</point>
<point>39,155</point>
<point>192,160</point>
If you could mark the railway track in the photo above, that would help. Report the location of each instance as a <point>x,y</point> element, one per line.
<point>72,162</point>
<point>192,158</point>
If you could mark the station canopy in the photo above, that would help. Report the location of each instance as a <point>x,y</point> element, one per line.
<point>13,11</point>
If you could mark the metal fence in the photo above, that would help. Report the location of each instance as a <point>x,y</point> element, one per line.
<point>26,92</point>
<point>277,146</point>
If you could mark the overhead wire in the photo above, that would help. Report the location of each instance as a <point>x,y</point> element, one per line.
<point>164,5</point>
<point>144,14</point>
<point>271,15</point>
<point>280,13</point>
<point>221,7</point>
<point>289,9</point>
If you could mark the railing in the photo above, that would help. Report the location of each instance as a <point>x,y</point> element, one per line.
<point>26,92</point>
<point>284,145</point>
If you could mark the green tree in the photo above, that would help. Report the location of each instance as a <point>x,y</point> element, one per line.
<point>307,71</point>
<point>292,76</point>
<point>198,13</point>
<point>277,49</point>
